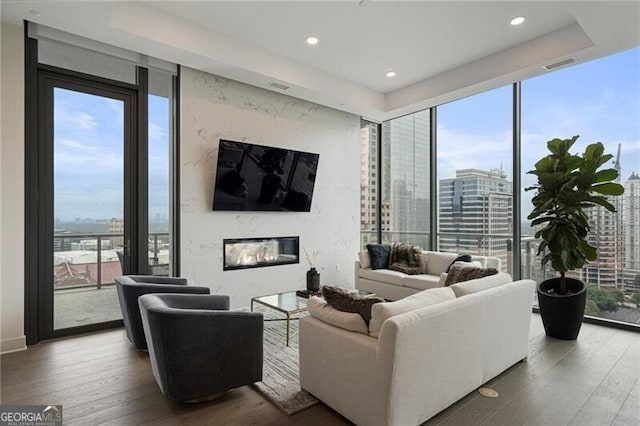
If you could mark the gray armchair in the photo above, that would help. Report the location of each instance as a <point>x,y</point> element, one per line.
<point>130,287</point>
<point>198,348</point>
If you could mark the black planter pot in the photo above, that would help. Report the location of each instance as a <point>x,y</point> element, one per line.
<point>562,315</point>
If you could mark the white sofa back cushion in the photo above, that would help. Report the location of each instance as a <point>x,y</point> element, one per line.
<point>480,284</point>
<point>380,312</point>
<point>320,309</point>
<point>438,262</point>
<point>365,260</point>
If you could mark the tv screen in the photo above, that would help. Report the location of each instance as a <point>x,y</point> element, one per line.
<point>263,178</point>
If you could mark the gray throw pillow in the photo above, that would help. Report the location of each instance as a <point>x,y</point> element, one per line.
<point>379,255</point>
<point>345,301</point>
<point>459,273</point>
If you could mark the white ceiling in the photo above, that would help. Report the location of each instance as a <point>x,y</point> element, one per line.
<point>441,50</point>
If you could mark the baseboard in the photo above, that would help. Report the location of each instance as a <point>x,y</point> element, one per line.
<point>13,345</point>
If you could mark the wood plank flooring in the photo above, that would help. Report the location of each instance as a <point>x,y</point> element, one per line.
<point>101,379</point>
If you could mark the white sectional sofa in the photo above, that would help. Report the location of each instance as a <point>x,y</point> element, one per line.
<point>394,285</point>
<point>446,343</point>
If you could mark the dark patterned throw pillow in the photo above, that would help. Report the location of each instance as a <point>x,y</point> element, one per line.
<point>379,255</point>
<point>405,258</point>
<point>460,273</point>
<point>345,301</point>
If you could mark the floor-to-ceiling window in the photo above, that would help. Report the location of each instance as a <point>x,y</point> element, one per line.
<point>161,138</point>
<point>476,190</point>
<point>99,183</point>
<point>475,182</point>
<point>404,191</point>
<point>600,101</point>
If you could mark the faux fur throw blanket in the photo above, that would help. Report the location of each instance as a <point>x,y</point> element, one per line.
<point>405,258</point>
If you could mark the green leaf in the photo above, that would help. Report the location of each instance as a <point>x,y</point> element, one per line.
<point>551,181</point>
<point>589,251</point>
<point>557,146</point>
<point>606,175</point>
<point>603,202</point>
<point>608,188</point>
<point>546,164</point>
<point>594,151</point>
<point>573,162</point>
<point>541,220</point>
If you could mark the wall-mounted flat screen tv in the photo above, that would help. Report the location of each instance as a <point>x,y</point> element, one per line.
<point>263,178</point>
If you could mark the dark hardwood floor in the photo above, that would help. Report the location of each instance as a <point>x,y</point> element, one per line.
<point>101,379</point>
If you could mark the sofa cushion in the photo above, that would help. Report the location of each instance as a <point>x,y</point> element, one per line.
<point>438,262</point>
<point>346,301</point>
<point>383,275</point>
<point>459,273</point>
<point>379,255</point>
<point>365,260</point>
<point>479,284</point>
<point>421,282</point>
<point>380,312</point>
<point>405,258</point>
<point>321,310</point>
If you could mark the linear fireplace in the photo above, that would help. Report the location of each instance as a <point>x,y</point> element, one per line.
<point>243,253</point>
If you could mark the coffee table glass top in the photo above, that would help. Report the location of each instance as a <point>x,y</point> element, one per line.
<point>285,302</point>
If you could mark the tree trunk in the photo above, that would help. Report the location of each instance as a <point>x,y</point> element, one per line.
<point>563,284</point>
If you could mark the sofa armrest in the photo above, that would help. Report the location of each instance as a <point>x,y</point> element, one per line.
<point>494,262</point>
<point>340,368</point>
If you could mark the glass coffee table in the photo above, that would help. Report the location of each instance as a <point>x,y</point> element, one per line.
<point>288,303</point>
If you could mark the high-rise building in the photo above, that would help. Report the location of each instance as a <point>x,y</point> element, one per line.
<point>605,270</point>
<point>476,213</point>
<point>607,238</point>
<point>368,183</point>
<point>631,233</point>
<point>405,179</point>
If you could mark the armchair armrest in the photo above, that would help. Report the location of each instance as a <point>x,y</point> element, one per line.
<point>154,279</point>
<point>197,301</point>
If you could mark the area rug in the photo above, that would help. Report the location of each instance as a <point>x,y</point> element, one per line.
<point>280,380</point>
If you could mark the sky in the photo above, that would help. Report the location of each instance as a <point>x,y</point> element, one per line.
<point>88,156</point>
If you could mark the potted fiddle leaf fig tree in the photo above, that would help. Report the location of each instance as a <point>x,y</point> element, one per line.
<point>569,187</point>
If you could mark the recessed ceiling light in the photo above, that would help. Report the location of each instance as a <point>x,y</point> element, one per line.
<point>390,74</point>
<point>312,40</point>
<point>34,13</point>
<point>517,20</point>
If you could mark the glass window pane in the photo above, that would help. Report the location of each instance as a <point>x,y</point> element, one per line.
<point>475,187</point>
<point>160,143</point>
<point>405,179</point>
<point>600,101</point>
<point>368,182</point>
<point>88,172</point>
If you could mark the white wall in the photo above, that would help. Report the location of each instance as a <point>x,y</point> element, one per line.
<point>12,189</point>
<point>213,108</point>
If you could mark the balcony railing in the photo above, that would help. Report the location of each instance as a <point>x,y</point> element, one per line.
<point>92,260</point>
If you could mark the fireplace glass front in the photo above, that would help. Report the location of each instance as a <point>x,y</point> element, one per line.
<point>243,253</point>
